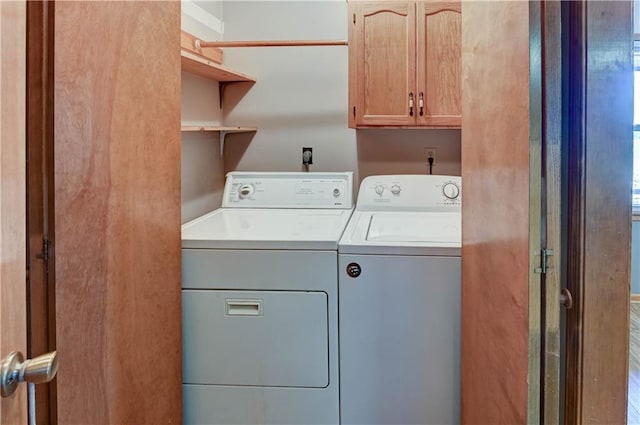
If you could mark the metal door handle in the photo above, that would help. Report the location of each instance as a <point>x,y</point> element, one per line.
<point>410,104</point>
<point>421,103</point>
<point>14,370</point>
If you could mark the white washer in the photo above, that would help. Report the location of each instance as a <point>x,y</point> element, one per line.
<point>260,302</point>
<point>399,292</point>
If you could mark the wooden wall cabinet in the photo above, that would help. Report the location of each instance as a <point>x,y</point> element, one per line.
<point>405,64</point>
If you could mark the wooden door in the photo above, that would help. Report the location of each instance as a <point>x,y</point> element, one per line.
<point>13,410</point>
<point>382,63</point>
<point>116,191</point>
<point>496,217</point>
<point>439,59</point>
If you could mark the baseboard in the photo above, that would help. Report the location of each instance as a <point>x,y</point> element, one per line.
<point>635,298</point>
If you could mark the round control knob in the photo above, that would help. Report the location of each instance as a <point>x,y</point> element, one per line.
<point>379,189</point>
<point>336,192</point>
<point>246,190</point>
<point>395,189</point>
<point>450,190</point>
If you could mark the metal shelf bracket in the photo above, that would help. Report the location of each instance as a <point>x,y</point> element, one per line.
<point>223,136</point>
<point>221,86</point>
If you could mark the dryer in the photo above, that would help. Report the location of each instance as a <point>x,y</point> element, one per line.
<point>260,301</point>
<point>399,292</point>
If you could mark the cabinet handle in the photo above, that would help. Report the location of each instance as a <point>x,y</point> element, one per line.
<point>421,103</point>
<point>410,104</point>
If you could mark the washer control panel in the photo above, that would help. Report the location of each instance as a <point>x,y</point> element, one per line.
<point>410,192</point>
<point>288,190</point>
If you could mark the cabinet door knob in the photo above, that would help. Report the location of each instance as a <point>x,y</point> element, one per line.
<point>421,103</point>
<point>410,104</point>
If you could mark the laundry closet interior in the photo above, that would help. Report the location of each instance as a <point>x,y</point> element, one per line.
<point>277,327</point>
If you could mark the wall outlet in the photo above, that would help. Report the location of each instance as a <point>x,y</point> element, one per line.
<point>430,153</point>
<point>307,156</point>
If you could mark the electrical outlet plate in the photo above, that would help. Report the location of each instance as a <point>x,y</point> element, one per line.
<point>307,156</point>
<point>430,153</point>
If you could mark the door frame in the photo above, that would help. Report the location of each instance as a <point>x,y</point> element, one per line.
<point>41,337</point>
<point>599,176</point>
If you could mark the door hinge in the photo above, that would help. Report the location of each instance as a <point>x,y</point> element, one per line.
<point>44,255</point>
<point>544,261</point>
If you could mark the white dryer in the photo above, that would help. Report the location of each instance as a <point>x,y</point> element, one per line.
<point>260,302</point>
<point>399,292</point>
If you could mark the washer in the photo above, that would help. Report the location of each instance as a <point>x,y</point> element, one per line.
<point>399,292</point>
<point>260,302</point>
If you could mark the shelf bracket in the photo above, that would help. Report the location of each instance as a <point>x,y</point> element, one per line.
<point>221,86</point>
<point>223,136</point>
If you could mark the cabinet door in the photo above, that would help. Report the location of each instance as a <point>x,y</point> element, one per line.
<point>382,63</point>
<point>439,63</point>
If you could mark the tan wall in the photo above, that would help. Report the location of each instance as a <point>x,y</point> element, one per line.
<point>202,164</point>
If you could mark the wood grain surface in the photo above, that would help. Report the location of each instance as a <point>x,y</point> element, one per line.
<point>13,312</point>
<point>188,42</point>
<point>607,266</point>
<point>633,407</point>
<point>117,194</point>
<point>495,220</point>
<point>599,212</point>
<point>555,221</point>
<point>382,44</point>
<point>439,58</point>
<point>206,68</point>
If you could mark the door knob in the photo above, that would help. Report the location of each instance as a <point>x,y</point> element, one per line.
<point>14,370</point>
<point>566,299</point>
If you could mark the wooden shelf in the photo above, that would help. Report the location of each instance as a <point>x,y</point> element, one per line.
<point>207,68</point>
<point>219,128</point>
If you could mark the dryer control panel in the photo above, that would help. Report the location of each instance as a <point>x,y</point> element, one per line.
<point>410,193</point>
<point>288,190</point>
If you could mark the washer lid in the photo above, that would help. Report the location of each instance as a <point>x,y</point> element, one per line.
<point>414,227</point>
<point>402,233</point>
<point>235,228</point>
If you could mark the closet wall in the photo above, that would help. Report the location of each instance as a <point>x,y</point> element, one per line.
<point>202,166</point>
